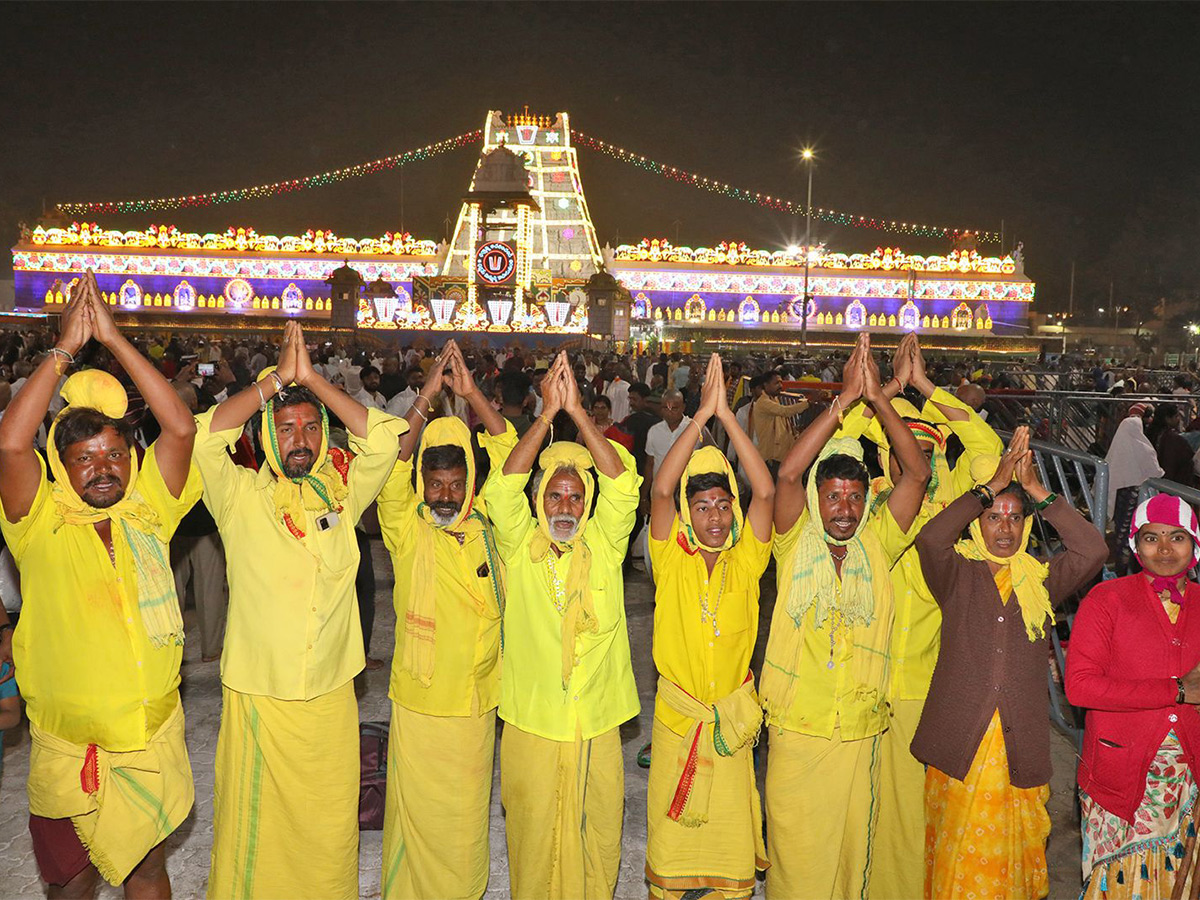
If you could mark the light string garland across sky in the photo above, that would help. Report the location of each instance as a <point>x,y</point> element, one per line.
<point>277,188</point>
<point>581,139</point>
<point>776,203</point>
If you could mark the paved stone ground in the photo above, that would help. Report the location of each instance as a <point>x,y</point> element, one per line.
<point>189,847</point>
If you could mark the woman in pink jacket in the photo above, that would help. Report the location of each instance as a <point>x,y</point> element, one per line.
<point>1133,661</point>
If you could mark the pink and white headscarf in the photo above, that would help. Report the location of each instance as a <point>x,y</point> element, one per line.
<point>1163,509</point>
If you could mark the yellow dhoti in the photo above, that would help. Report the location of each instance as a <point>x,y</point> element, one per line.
<point>285,810</point>
<point>822,805</point>
<point>435,827</point>
<point>704,818</point>
<point>984,838</point>
<point>897,859</point>
<point>563,804</point>
<point>140,796</point>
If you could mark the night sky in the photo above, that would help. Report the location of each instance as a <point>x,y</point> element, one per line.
<point>1075,124</point>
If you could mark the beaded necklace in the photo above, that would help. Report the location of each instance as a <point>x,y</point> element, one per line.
<point>558,594</point>
<point>707,614</point>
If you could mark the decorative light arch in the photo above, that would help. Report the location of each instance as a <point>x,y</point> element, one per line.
<point>910,316</point>
<point>856,314</point>
<point>748,311</point>
<point>293,299</point>
<point>695,308</point>
<point>130,294</point>
<point>960,317</point>
<point>184,296</point>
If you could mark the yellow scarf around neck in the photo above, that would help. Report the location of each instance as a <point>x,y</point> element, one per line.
<point>135,520</point>
<point>579,615</point>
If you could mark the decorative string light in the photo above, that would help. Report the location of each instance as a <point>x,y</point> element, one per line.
<point>277,188</point>
<point>776,203</point>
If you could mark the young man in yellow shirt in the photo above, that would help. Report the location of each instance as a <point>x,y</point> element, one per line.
<point>568,680</point>
<point>704,817</point>
<point>825,677</point>
<point>445,684</point>
<point>101,636</point>
<point>285,814</point>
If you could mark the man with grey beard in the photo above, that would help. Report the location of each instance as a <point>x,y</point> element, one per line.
<point>445,683</point>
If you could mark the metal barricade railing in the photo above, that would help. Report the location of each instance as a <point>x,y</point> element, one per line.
<point>1075,419</point>
<point>1082,480</point>
<point>1152,486</point>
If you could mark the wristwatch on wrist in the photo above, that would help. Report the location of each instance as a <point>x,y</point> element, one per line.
<point>984,495</point>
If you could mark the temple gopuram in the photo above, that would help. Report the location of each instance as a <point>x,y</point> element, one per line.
<point>525,260</point>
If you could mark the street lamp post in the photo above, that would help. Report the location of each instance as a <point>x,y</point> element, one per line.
<point>807,156</point>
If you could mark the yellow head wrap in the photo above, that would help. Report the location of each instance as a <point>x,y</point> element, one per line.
<point>707,461</point>
<point>324,487</point>
<point>574,598</point>
<point>420,619</point>
<point>1021,572</point>
<point>133,519</point>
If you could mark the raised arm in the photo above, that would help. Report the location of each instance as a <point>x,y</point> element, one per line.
<point>603,453</point>
<point>463,385</point>
<point>761,513</point>
<point>904,502</point>
<point>666,479</point>
<point>922,383</point>
<point>789,489</point>
<point>173,449</point>
<point>236,411</point>
<point>20,471</point>
<point>422,408</point>
<point>901,376</point>
<point>526,452</point>
<point>352,413</point>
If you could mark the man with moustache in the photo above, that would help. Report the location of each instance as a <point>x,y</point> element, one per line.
<point>445,684</point>
<point>285,815</point>
<point>568,680</point>
<point>101,636</point>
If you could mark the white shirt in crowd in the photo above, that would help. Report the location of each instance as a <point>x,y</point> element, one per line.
<point>618,394</point>
<point>660,438</point>
<point>370,400</point>
<point>400,404</point>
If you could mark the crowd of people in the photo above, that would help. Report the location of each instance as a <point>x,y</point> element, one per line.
<point>902,696</point>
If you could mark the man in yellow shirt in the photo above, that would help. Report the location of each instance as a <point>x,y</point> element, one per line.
<point>825,677</point>
<point>285,814</point>
<point>568,680</point>
<point>101,637</point>
<point>897,855</point>
<point>445,684</point>
<point>704,817</point>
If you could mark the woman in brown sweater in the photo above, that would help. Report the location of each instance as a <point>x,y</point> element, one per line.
<point>984,733</point>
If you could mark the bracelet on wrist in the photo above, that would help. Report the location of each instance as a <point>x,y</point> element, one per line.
<point>984,494</point>
<point>1050,498</point>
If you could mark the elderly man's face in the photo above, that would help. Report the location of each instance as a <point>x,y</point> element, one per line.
<point>562,504</point>
<point>445,493</point>
<point>298,431</point>
<point>98,468</point>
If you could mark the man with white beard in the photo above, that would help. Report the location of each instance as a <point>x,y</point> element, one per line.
<point>568,680</point>
<point>445,683</point>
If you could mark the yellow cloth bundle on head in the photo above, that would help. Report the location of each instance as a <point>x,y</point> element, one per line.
<point>578,613</point>
<point>133,518</point>
<point>420,619</point>
<point>708,461</point>
<point>1028,575</point>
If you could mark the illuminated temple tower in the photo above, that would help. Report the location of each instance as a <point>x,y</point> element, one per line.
<point>548,232</point>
